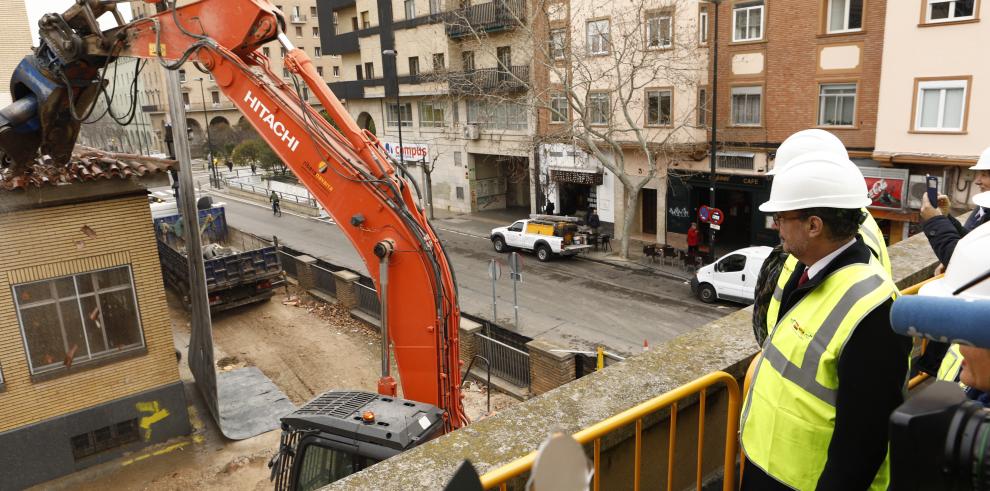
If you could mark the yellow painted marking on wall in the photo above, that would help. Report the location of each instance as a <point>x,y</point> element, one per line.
<point>157,414</point>
<point>153,52</point>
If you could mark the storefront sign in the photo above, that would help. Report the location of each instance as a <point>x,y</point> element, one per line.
<point>886,187</point>
<point>753,181</point>
<point>413,151</point>
<point>586,178</point>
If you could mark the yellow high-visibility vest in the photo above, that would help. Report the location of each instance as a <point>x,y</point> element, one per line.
<point>789,413</point>
<point>951,365</point>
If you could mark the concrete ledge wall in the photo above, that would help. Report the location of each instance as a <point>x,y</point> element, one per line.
<point>726,344</point>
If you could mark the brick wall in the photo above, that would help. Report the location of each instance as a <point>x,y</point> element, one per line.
<point>793,35</point>
<point>548,369</point>
<point>50,242</point>
<point>15,42</point>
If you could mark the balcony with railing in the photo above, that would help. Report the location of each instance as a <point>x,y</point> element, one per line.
<point>298,19</point>
<point>489,80</point>
<point>494,16</point>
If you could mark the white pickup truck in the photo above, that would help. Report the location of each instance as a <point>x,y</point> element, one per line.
<point>546,238</point>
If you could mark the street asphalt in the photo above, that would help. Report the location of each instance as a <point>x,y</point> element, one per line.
<point>578,304</point>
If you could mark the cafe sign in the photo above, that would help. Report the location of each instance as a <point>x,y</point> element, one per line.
<point>413,152</point>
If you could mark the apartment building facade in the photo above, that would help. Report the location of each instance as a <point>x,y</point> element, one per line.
<point>637,72</point>
<point>206,106</point>
<point>456,76</point>
<point>784,66</point>
<point>934,97</point>
<point>15,43</point>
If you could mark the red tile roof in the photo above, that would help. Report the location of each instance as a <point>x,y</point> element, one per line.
<point>87,164</point>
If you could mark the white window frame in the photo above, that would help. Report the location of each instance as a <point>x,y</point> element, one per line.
<point>392,115</point>
<point>952,9</point>
<point>703,27</point>
<point>846,12</point>
<point>431,108</point>
<point>594,99</point>
<point>597,36</point>
<point>558,116</point>
<point>942,86</point>
<point>748,6</point>
<point>746,91</point>
<point>654,21</point>
<point>822,97</point>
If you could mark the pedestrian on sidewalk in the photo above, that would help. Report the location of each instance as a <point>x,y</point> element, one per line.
<point>254,168</point>
<point>230,165</point>
<point>693,239</point>
<point>593,221</point>
<point>276,209</point>
<point>549,207</point>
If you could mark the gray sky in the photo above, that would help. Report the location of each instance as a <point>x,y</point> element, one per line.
<point>37,8</point>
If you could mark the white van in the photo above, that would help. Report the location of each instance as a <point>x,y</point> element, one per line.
<point>732,277</point>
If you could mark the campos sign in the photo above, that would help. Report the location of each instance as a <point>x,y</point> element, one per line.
<point>412,151</point>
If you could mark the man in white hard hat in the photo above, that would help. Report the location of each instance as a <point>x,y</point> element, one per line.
<point>779,263</point>
<point>943,231</point>
<point>832,370</point>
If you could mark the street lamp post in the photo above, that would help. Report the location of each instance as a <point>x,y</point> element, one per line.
<point>209,141</point>
<point>398,106</point>
<point>713,157</point>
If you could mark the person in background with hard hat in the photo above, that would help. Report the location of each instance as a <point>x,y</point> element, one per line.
<point>832,369</point>
<point>778,263</point>
<point>944,231</point>
<point>969,260</point>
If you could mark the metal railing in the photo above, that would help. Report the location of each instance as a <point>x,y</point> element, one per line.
<point>634,416</point>
<point>507,362</point>
<point>497,15</point>
<point>324,280</point>
<point>264,191</point>
<point>367,300</point>
<point>483,80</point>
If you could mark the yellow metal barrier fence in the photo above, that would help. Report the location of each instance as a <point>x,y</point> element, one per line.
<point>635,415</point>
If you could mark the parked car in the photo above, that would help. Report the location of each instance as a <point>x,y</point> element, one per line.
<point>732,277</point>
<point>544,237</point>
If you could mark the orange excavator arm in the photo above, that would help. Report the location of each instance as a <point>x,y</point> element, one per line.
<point>345,168</point>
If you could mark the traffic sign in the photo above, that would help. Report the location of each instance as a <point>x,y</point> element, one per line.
<point>703,213</point>
<point>715,227</point>
<point>515,266</point>
<point>494,270</point>
<point>716,216</point>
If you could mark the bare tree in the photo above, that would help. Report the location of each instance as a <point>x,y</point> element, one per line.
<point>608,73</point>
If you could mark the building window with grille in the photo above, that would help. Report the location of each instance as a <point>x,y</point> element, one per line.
<point>215,98</point>
<point>78,319</point>
<point>365,20</point>
<point>312,12</point>
<point>319,71</point>
<point>316,32</point>
<point>182,75</point>
<point>434,7</point>
<point>105,438</point>
<point>266,51</point>
<point>747,21</point>
<point>460,192</point>
<point>659,30</point>
<point>558,44</point>
<point>467,60</point>
<point>392,116</point>
<point>439,63</point>
<point>410,6</point>
<point>317,51</point>
<point>558,107</point>
<point>658,107</point>
<point>837,105</point>
<point>599,108</point>
<point>413,65</point>
<point>845,16</point>
<point>949,10</point>
<point>940,105</point>
<point>597,31</point>
<point>336,72</point>
<point>746,105</point>
<point>431,114</point>
<point>369,70</point>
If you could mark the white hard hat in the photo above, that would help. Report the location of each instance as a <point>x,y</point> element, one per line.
<point>982,199</point>
<point>817,180</point>
<point>984,162</point>
<point>969,260</point>
<point>804,141</point>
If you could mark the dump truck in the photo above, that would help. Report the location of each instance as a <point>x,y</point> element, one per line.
<point>237,272</point>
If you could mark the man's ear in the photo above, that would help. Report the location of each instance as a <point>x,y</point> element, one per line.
<point>816,227</point>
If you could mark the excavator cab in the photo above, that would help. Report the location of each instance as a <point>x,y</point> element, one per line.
<point>342,432</point>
